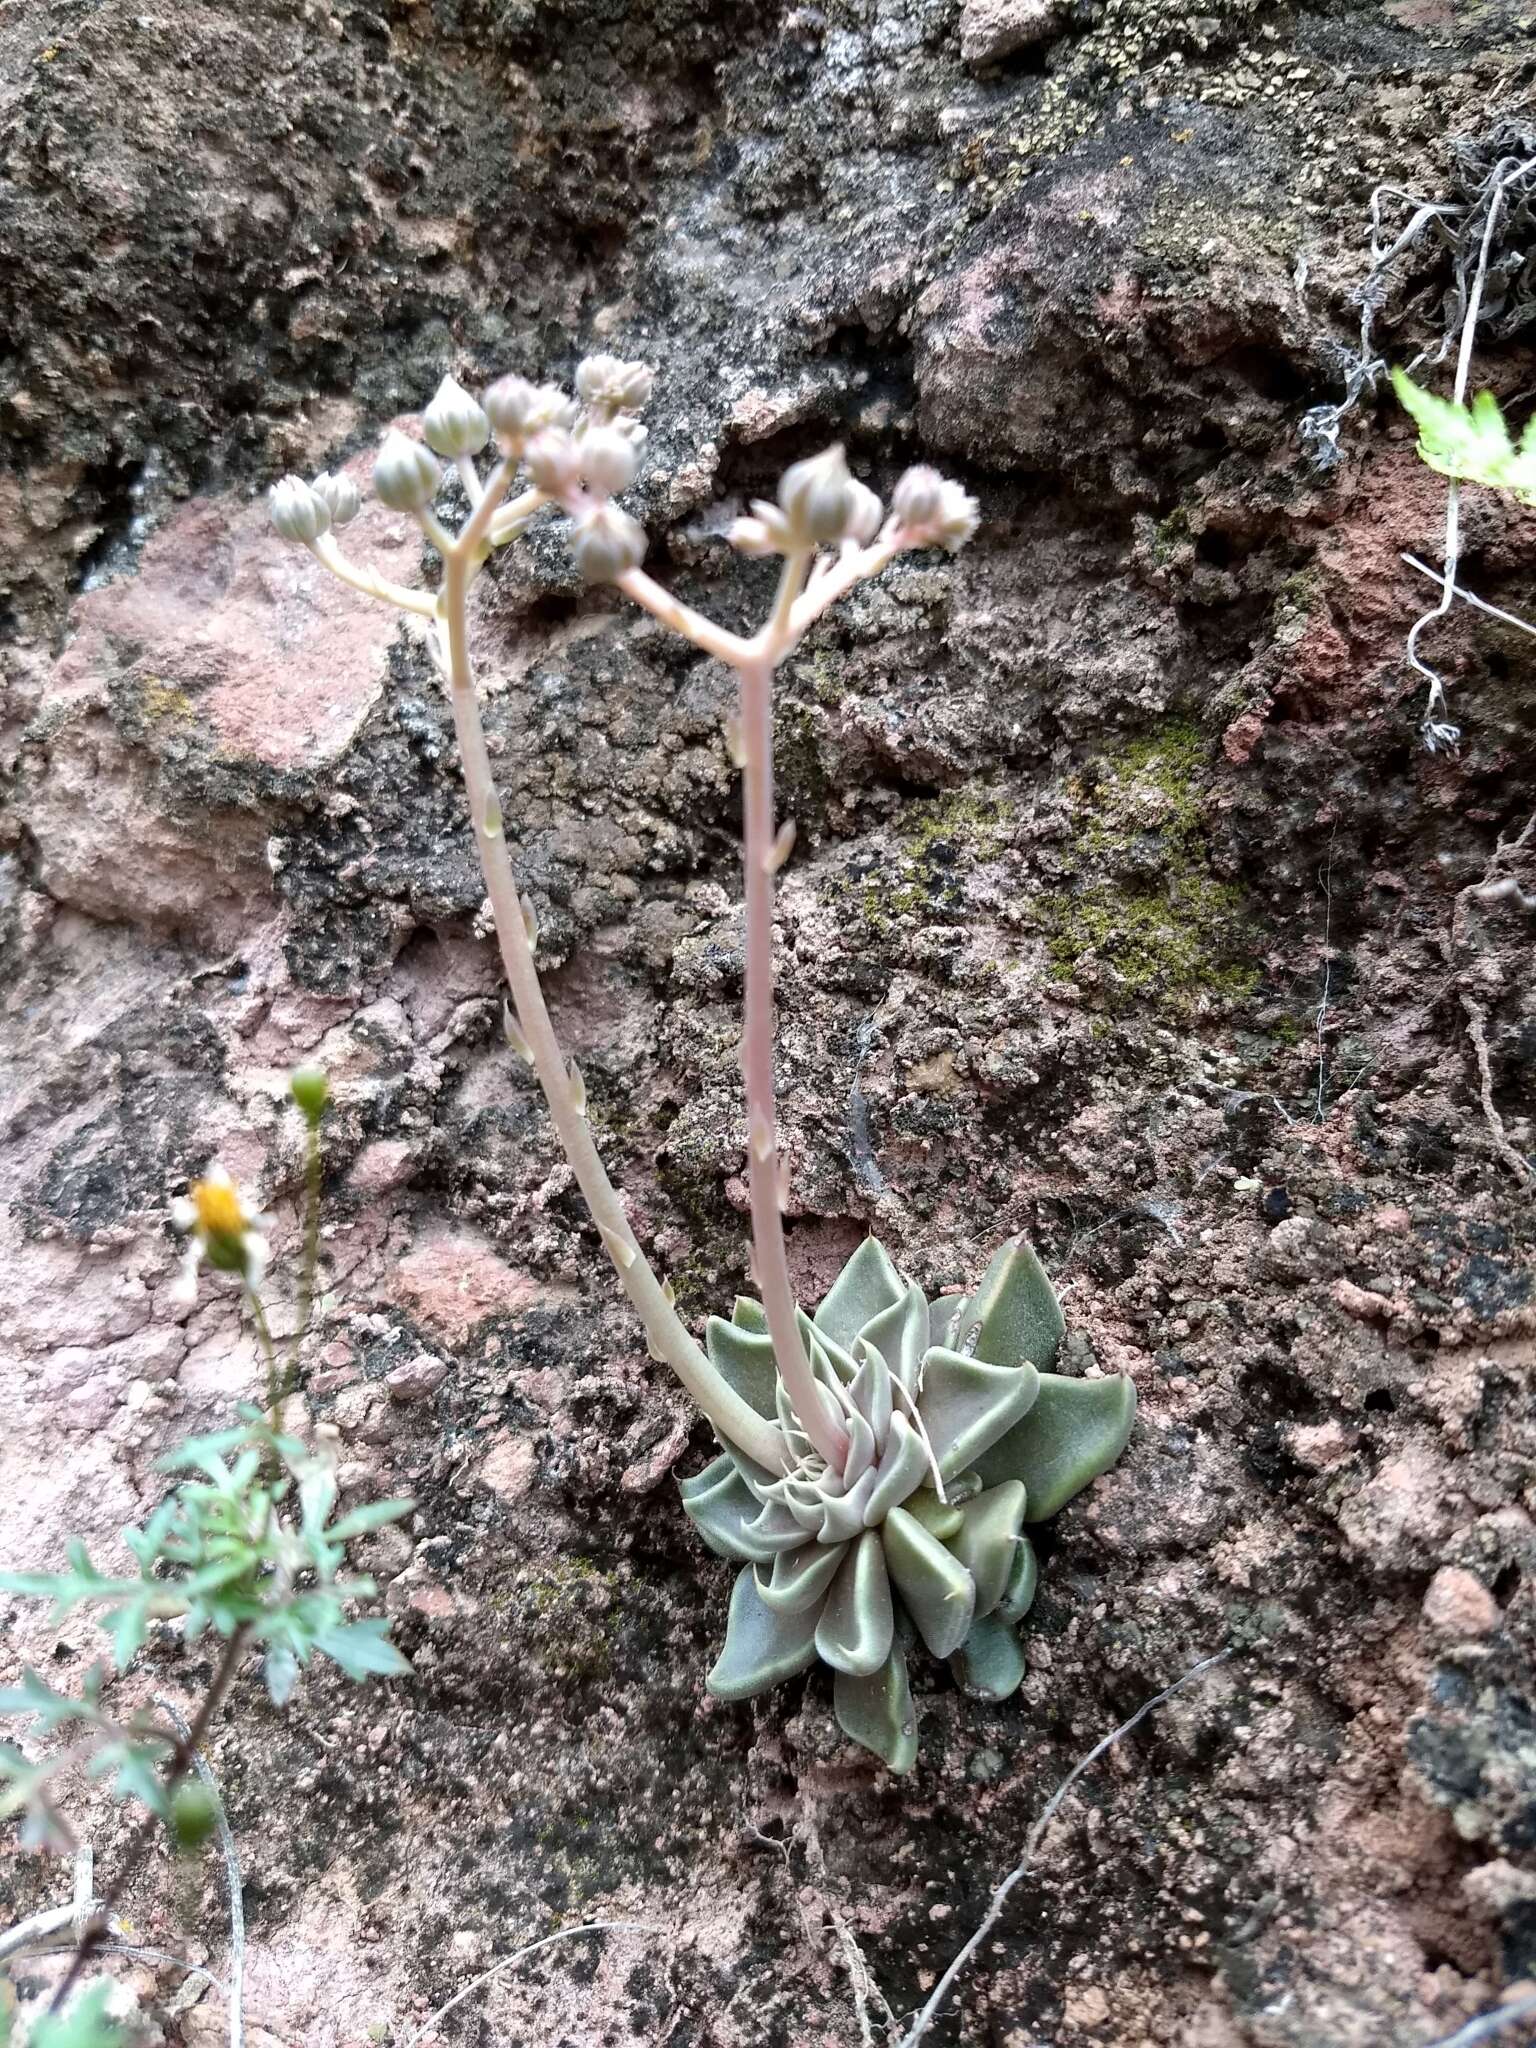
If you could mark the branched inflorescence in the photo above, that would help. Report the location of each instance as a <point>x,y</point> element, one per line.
<point>879,1459</point>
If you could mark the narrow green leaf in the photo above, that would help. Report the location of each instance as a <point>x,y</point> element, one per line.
<point>363,1650</point>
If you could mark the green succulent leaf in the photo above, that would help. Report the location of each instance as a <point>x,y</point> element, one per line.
<point>1075,1430</point>
<point>1019,1594</point>
<point>877,1711</point>
<point>721,1505</point>
<point>900,1334</point>
<point>750,1315</point>
<point>967,1404</point>
<point>800,1578</point>
<point>905,1468</point>
<point>987,1541</point>
<point>1014,1313</point>
<point>935,1587</point>
<point>857,1620</point>
<point>763,1645</point>
<point>868,1284</point>
<point>989,1665</point>
<point>940,1518</point>
<point>744,1360</point>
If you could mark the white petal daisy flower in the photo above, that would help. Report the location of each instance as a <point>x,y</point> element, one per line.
<point>224,1227</point>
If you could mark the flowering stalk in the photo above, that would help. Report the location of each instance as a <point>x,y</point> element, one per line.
<point>578,458</point>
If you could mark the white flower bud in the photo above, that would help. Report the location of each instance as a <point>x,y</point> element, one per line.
<point>864,523</point>
<point>553,463</point>
<point>934,513</point>
<point>298,512</point>
<point>454,423</point>
<point>510,404</point>
<point>817,499</point>
<point>608,385</point>
<point>405,475</point>
<point>915,500</point>
<point>607,460</point>
<point>606,542</point>
<point>339,495</point>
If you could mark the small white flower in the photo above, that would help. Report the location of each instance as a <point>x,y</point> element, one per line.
<point>607,460</point>
<point>405,474</point>
<point>298,512</point>
<point>339,495</point>
<point>553,463</point>
<point>605,542</point>
<point>225,1229</point>
<point>816,498</point>
<point>455,423</point>
<point>609,386</point>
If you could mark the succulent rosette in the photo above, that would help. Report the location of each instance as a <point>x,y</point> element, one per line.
<point>956,1437</point>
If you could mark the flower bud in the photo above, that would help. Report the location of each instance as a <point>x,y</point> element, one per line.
<point>607,385</point>
<point>606,542</point>
<point>817,499</point>
<point>864,523</point>
<point>553,463</point>
<point>298,512</point>
<point>311,1091</point>
<point>934,512</point>
<point>915,500</point>
<point>510,404</point>
<point>339,495</point>
<point>405,475</point>
<point>552,408</point>
<point>454,423</point>
<point>194,1816</point>
<point>607,460</point>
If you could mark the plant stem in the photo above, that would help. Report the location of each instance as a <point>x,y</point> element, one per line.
<point>772,1259</point>
<point>731,1416</point>
<point>326,551</point>
<point>99,1925</point>
<point>275,1387</point>
<point>311,1265</point>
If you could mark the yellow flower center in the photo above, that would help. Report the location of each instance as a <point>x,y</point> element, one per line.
<point>219,1213</point>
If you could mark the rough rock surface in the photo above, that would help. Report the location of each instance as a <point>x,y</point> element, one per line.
<point>1126,911</point>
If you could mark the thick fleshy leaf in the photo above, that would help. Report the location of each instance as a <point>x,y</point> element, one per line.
<point>902,1471</point>
<point>855,1630</point>
<point>900,1334</point>
<point>1013,1318</point>
<point>935,1587</point>
<point>836,1365</point>
<point>776,1528</point>
<point>865,1286</point>
<point>861,1448</point>
<point>877,1711</point>
<point>800,1577</point>
<point>763,1646</point>
<point>1019,1594</point>
<point>870,1392</point>
<point>940,1518</point>
<point>966,1405</point>
<point>990,1664</point>
<point>842,1515</point>
<point>750,1315</point>
<point>942,1311</point>
<point>1075,1431</point>
<point>988,1540</point>
<point>744,1360</point>
<point>721,1505</point>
